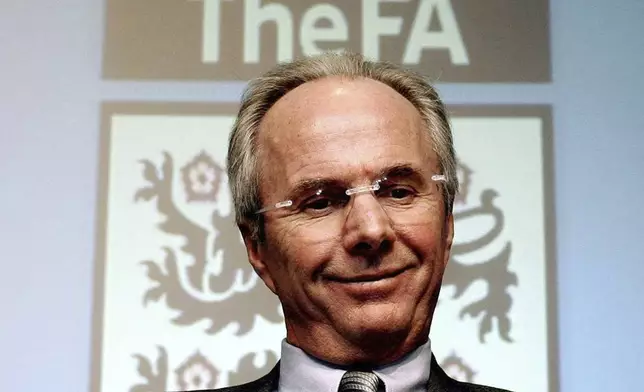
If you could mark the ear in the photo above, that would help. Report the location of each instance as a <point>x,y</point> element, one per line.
<point>257,256</point>
<point>449,238</point>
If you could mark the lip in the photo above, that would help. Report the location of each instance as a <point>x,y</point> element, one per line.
<point>370,286</point>
<point>368,277</point>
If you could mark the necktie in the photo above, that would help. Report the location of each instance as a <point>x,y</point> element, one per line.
<point>355,381</point>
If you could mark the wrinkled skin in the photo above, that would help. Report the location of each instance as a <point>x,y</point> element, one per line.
<point>350,130</point>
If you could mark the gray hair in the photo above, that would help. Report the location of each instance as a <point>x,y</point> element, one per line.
<point>263,92</point>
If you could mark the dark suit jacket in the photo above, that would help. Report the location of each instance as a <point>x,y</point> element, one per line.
<point>438,382</point>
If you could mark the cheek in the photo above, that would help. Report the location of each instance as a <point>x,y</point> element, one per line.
<point>305,236</point>
<point>428,245</point>
<point>296,251</point>
<point>424,238</point>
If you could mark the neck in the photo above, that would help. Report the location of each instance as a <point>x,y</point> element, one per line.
<point>365,351</point>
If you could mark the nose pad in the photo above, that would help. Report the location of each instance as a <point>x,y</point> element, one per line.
<point>363,189</point>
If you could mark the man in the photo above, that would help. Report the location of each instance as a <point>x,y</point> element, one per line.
<point>343,176</point>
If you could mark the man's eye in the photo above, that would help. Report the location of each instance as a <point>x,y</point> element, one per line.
<point>398,193</point>
<point>318,204</point>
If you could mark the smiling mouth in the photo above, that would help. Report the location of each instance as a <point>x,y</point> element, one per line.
<point>365,278</point>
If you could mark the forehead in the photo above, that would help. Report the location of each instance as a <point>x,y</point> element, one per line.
<point>347,129</point>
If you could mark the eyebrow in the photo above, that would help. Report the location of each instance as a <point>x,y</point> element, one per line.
<point>402,171</point>
<point>398,171</point>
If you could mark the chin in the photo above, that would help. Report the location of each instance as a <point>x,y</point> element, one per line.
<point>380,321</point>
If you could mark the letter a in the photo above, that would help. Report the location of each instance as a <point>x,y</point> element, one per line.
<point>449,38</point>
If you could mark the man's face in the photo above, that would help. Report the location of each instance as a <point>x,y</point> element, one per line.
<point>366,278</point>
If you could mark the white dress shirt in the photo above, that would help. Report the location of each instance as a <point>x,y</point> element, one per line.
<point>301,372</point>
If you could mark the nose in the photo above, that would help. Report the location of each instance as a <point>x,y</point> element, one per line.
<point>367,228</point>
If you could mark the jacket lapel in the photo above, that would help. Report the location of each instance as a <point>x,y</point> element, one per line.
<point>268,383</point>
<point>438,380</point>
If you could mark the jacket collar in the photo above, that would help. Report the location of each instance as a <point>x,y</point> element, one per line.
<point>438,380</point>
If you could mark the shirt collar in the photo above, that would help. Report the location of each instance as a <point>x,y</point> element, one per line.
<point>302,372</point>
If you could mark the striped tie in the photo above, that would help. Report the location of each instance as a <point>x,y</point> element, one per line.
<point>355,381</point>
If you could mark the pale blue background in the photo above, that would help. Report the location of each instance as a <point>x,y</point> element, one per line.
<point>50,92</point>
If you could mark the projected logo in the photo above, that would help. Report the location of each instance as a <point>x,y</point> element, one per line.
<point>208,278</point>
<point>182,309</point>
<point>495,306</point>
<point>214,277</point>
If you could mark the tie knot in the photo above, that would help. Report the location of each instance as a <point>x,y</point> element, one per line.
<point>355,381</point>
